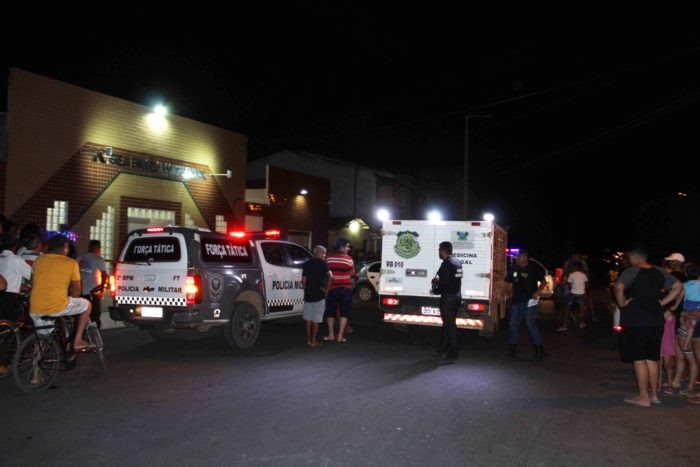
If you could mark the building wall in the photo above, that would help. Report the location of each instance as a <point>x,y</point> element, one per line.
<point>55,129</point>
<point>356,191</point>
<point>293,211</point>
<point>353,188</point>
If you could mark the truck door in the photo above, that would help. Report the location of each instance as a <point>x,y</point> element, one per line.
<point>409,258</point>
<point>278,276</point>
<point>296,257</point>
<point>472,246</point>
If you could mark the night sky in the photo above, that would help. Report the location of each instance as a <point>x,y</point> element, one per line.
<point>592,127</point>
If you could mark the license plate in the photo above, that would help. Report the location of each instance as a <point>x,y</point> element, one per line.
<point>152,311</point>
<point>430,311</point>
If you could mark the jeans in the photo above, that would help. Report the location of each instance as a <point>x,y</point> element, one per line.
<point>518,311</point>
<point>448,313</point>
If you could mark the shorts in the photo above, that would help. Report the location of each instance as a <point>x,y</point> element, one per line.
<point>579,299</point>
<point>75,306</point>
<point>313,311</point>
<point>641,343</point>
<point>339,299</point>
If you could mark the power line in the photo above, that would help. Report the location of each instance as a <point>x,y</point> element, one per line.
<point>607,134</point>
<point>616,74</point>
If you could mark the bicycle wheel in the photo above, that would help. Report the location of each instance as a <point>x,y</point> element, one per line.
<point>94,337</point>
<point>36,363</point>
<point>9,342</point>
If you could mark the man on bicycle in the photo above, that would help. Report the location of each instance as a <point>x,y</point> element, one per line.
<point>55,277</point>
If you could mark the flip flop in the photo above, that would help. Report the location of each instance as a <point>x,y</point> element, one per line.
<point>341,341</point>
<point>637,402</point>
<point>694,400</point>
<point>329,339</point>
<point>87,348</point>
<point>656,401</point>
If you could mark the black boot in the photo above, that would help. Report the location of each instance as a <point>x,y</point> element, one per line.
<point>511,350</point>
<point>539,353</point>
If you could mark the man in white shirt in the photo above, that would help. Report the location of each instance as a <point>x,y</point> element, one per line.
<point>13,269</point>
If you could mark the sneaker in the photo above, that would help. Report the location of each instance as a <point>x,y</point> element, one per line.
<point>562,328</point>
<point>582,325</point>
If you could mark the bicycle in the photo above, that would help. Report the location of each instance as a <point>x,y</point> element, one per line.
<point>48,349</point>
<point>11,335</point>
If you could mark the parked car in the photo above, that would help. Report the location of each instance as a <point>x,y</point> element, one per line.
<point>367,283</point>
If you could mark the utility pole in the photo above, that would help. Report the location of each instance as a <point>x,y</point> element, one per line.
<point>465,176</point>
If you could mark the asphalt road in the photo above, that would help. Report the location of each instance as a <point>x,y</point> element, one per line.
<point>380,399</point>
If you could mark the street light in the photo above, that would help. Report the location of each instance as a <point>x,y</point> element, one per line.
<point>383,214</point>
<point>227,174</point>
<point>304,192</point>
<point>156,119</point>
<point>488,217</point>
<point>434,216</point>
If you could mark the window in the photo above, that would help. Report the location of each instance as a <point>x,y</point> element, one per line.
<point>375,267</point>
<point>56,216</point>
<point>103,230</point>
<point>158,249</point>
<point>221,225</point>
<point>273,253</point>
<point>297,255</point>
<point>217,250</point>
<point>189,222</point>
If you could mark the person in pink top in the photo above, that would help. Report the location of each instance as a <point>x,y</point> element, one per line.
<point>340,297</point>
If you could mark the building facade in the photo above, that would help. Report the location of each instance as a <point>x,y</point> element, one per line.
<point>293,202</point>
<point>356,192</point>
<point>101,166</point>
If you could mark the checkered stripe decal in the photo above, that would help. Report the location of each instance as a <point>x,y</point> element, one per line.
<point>285,302</point>
<point>161,301</point>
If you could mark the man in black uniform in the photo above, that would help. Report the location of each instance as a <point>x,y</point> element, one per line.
<point>448,283</point>
<point>528,282</point>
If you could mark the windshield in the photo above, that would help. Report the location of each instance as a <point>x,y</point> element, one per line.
<point>153,250</point>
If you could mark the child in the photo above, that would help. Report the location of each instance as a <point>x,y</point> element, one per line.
<point>668,350</point>
<point>688,331</point>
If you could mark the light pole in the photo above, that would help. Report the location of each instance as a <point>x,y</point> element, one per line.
<point>465,177</point>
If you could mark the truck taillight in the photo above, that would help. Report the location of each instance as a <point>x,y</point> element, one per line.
<point>390,301</point>
<point>476,307</point>
<point>193,289</point>
<point>111,286</point>
<point>617,328</point>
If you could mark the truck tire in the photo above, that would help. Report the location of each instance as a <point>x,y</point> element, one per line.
<point>243,329</point>
<point>365,292</point>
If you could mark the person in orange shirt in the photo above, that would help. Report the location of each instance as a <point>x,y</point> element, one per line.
<point>56,290</point>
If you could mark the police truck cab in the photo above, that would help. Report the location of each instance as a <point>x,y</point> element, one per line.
<point>171,278</point>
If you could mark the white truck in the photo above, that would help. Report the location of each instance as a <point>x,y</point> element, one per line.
<point>410,260</point>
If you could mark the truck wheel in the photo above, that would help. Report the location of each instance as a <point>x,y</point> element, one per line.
<point>243,329</point>
<point>365,292</point>
<point>163,334</point>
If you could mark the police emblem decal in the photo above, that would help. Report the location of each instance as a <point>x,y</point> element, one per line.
<point>216,287</point>
<point>406,244</point>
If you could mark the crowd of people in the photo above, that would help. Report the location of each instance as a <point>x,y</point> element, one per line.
<point>57,281</point>
<point>658,307</point>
